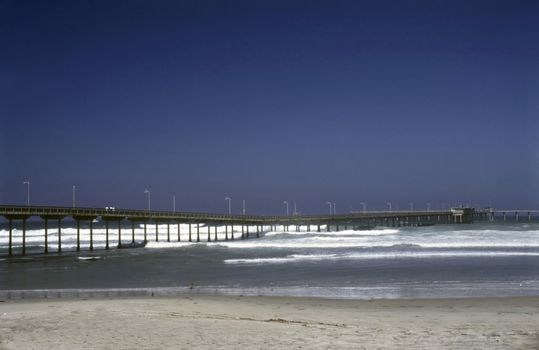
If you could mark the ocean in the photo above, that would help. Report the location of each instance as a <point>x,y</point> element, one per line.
<point>483,259</point>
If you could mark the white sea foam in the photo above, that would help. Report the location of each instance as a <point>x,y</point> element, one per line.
<point>368,256</point>
<point>421,237</point>
<point>340,233</point>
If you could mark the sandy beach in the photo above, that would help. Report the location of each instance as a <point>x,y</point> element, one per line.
<point>235,322</point>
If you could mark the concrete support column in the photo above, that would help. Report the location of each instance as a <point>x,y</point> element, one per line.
<point>107,234</point>
<point>257,231</point>
<point>503,216</point>
<point>215,229</point>
<point>46,236</point>
<point>119,232</point>
<point>59,235</point>
<point>242,231</point>
<point>92,235</point>
<point>23,236</point>
<point>179,232</point>
<point>78,235</point>
<point>145,236</point>
<point>190,232</point>
<point>529,217</point>
<point>318,229</point>
<point>226,232</point>
<point>198,232</point>
<point>10,247</point>
<point>209,228</point>
<point>157,231</point>
<point>132,232</point>
<point>516,216</point>
<point>168,232</point>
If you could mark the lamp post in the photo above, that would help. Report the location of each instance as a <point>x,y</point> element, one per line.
<point>149,198</point>
<point>364,206</point>
<point>243,211</point>
<point>389,205</point>
<point>334,208</point>
<point>74,188</point>
<point>330,207</point>
<point>27,183</point>
<point>286,204</point>
<point>229,205</point>
<point>295,209</point>
<point>173,202</point>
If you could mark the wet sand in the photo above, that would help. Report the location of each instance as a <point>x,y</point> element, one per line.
<point>234,322</point>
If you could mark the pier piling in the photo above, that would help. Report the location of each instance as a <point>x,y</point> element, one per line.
<point>106,234</point>
<point>46,250</point>
<point>23,236</point>
<point>10,243</point>
<point>59,235</point>
<point>92,235</point>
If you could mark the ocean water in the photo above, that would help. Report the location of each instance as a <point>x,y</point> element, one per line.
<point>476,260</point>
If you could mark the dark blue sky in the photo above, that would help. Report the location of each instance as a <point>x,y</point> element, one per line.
<point>307,101</point>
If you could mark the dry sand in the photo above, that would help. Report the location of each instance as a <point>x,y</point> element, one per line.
<point>232,322</point>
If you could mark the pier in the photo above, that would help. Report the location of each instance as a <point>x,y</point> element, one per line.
<point>252,226</point>
<point>514,215</point>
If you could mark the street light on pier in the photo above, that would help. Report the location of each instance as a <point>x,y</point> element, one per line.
<point>295,209</point>
<point>330,207</point>
<point>74,188</point>
<point>334,208</point>
<point>286,204</point>
<point>389,206</point>
<point>229,205</point>
<point>364,206</point>
<point>27,183</point>
<point>174,203</point>
<point>243,211</point>
<point>149,198</point>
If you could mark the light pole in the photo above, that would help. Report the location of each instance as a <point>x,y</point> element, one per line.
<point>173,202</point>
<point>389,205</point>
<point>27,183</point>
<point>244,207</point>
<point>411,206</point>
<point>229,205</point>
<point>149,198</point>
<point>295,209</point>
<point>286,203</point>
<point>334,208</point>
<point>329,203</point>
<point>364,206</point>
<point>74,188</point>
